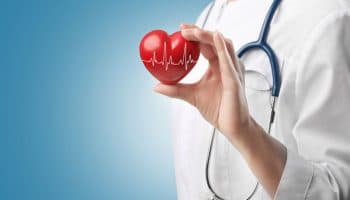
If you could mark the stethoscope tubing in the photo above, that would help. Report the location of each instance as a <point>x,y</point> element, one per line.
<point>262,44</point>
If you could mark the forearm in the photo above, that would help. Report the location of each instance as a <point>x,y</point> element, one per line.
<point>265,156</point>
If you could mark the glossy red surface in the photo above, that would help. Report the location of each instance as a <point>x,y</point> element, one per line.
<point>168,58</point>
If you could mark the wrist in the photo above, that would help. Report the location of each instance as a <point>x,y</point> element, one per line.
<point>248,138</point>
<point>241,134</point>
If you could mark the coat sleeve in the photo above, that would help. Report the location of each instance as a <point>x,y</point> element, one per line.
<point>320,170</point>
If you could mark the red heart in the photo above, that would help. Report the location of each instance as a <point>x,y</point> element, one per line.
<point>168,58</point>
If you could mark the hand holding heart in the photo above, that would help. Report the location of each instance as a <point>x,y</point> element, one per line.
<point>220,97</point>
<point>220,94</point>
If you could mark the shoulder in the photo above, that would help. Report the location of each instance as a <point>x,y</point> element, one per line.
<point>316,13</point>
<point>317,44</point>
<point>312,12</point>
<point>303,18</point>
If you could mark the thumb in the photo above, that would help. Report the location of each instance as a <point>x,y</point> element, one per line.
<point>185,92</point>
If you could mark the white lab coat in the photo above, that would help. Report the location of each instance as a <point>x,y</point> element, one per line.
<point>312,42</point>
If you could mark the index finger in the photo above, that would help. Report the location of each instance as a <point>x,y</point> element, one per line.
<point>206,37</point>
<point>229,74</point>
<point>197,34</point>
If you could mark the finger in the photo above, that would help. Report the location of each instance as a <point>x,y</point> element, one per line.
<point>197,34</point>
<point>185,26</point>
<point>203,36</point>
<point>208,52</point>
<point>185,92</point>
<point>241,69</point>
<point>206,37</point>
<point>229,74</point>
<point>236,62</point>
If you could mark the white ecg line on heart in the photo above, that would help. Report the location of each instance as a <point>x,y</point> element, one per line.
<point>165,62</point>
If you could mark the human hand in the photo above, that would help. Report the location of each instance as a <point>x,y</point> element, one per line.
<point>220,94</point>
<point>220,97</point>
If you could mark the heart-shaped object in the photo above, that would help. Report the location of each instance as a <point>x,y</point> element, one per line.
<point>168,58</point>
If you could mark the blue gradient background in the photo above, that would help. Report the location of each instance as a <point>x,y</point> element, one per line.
<point>80,118</point>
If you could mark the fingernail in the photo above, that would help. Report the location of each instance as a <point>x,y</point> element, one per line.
<point>185,26</point>
<point>184,32</point>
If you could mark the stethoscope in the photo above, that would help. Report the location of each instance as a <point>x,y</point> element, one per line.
<point>260,44</point>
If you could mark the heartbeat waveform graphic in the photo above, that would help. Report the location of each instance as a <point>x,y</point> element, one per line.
<point>165,62</point>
